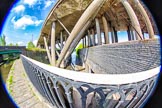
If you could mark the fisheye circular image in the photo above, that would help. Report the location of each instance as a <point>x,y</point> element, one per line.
<point>80,54</point>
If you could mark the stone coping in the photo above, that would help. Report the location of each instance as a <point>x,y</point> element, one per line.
<point>106,79</point>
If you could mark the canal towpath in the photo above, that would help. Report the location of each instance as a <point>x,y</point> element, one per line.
<point>21,90</point>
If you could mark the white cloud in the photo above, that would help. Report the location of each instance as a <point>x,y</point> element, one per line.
<point>20,43</point>
<point>25,20</point>
<point>7,39</point>
<point>48,3</point>
<point>37,22</point>
<point>26,34</point>
<point>30,2</point>
<point>19,8</point>
<point>35,42</point>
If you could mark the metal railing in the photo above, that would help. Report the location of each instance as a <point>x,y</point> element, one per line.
<point>71,89</point>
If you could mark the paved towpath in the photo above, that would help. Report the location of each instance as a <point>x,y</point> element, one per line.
<point>20,89</point>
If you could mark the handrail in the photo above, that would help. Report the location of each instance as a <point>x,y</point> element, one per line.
<point>66,88</point>
<point>99,78</point>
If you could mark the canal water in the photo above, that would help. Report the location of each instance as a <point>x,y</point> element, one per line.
<point>5,69</point>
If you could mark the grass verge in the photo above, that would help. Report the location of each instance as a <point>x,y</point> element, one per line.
<point>9,80</point>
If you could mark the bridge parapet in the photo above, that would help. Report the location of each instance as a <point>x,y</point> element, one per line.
<point>122,58</point>
<point>12,48</point>
<point>66,88</point>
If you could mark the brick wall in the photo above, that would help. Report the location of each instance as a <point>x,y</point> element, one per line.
<point>121,58</point>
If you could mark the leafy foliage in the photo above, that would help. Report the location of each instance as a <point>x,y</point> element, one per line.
<point>30,45</point>
<point>80,46</point>
<point>3,40</point>
<point>11,44</point>
<point>17,44</point>
<point>35,49</point>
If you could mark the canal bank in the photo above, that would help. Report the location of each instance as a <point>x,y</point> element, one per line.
<point>5,69</point>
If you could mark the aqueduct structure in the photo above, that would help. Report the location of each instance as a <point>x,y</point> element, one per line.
<point>113,74</point>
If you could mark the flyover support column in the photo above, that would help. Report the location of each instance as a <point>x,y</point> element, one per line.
<point>83,42</point>
<point>65,38</point>
<point>47,50</point>
<point>115,35</point>
<point>93,37</point>
<point>89,38</point>
<point>61,40</point>
<point>132,33</point>
<point>146,19</point>
<point>91,9</point>
<point>76,40</point>
<point>98,31</point>
<point>53,56</point>
<point>129,34</point>
<point>133,18</point>
<point>112,35</point>
<point>105,30</point>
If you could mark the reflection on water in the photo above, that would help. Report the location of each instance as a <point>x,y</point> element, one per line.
<point>5,69</point>
<point>73,56</point>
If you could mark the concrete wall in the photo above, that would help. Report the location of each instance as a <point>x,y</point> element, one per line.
<point>121,58</point>
<point>40,56</point>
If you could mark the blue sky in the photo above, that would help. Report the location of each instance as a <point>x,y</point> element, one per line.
<point>26,19</point>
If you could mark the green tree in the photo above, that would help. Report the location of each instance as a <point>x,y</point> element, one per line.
<point>11,44</point>
<point>3,40</point>
<point>80,46</point>
<point>30,45</point>
<point>17,44</point>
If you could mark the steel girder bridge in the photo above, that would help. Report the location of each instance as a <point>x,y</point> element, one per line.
<point>6,56</point>
<point>115,74</point>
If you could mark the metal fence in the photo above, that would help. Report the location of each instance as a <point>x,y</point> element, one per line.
<point>70,89</point>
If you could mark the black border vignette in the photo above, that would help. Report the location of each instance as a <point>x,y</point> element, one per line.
<point>155,7</point>
<point>5,99</point>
